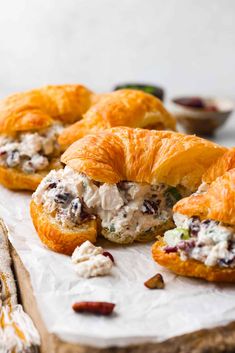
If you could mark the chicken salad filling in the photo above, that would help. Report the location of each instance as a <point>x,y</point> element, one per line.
<point>207,241</point>
<point>30,152</point>
<point>126,210</point>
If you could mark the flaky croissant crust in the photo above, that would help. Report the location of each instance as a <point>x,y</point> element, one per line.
<point>15,179</point>
<point>121,108</point>
<point>36,109</point>
<point>141,155</point>
<point>220,167</point>
<point>57,238</point>
<point>190,267</point>
<point>217,203</point>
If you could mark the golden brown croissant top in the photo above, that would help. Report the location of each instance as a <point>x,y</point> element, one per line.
<point>222,165</point>
<point>35,109</point>
<point>141,155</point>
<point>217,203</point>
<point>121,108</point>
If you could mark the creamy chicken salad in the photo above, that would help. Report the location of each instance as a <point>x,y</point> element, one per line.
<point>207,241</point>
<point>89,261</point>
<point>127,210</point>
<point>30,152</point>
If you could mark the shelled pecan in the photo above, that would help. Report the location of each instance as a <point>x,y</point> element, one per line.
<point>155,282</point>
<point>98,308</point>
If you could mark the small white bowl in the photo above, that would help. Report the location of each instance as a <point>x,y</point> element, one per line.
<point>200,121</point>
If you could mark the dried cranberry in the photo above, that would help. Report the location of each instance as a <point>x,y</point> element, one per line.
<point>194,226</point>
<point>85,215</point>
<point>150,206</point>
<point>200,245</point>
<point>191,243</point>
<point>186,245</point>
<point>182,245</point>
<point>169,249</point>
<point>52,186</point>
<point>192,102</point>
<point>73,209</point>
<point>63,198</point>
<point>230,245</point>
<point>79,212</point>
<point>107,254</point>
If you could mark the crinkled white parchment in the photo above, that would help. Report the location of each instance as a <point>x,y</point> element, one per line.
<point>141,315</point>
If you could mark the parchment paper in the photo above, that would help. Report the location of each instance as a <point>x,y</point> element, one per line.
<point>141,315</point>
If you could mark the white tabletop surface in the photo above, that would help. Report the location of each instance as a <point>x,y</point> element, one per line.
<point>226,135</point>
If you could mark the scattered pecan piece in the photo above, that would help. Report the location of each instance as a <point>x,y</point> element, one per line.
<point>98,308</point>
<point>155,282</point>
<point>107,254</point>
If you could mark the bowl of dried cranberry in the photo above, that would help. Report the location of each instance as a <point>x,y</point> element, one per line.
<point>201,116</point>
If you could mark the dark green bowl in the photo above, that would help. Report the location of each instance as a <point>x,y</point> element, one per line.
<point>154,90</point>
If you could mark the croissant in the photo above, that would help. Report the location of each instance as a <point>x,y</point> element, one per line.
<point>122,183</point>
<point>203,244</point>
<point>120,108</point>
<point>30,123</point>
<point>221,166</point>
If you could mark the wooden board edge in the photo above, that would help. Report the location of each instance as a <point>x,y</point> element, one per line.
<point>217,340</point>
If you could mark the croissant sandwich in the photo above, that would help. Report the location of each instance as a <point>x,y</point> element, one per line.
<point>120,108</point>
<point>122,183</point>
<point>30,123</point>
<point>203,242</point>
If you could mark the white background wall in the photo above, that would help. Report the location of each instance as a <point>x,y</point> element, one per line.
<point>188,46</point>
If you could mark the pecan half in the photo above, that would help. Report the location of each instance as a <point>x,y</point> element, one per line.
<point>155,282</point>
<point>107,254</point>
<point>98,308</point>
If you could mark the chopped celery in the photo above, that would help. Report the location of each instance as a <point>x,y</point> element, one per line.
<point>112,228</point>
<point>174,236</point>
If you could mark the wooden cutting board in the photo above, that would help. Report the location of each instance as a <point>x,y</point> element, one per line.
<point>218,340</point>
